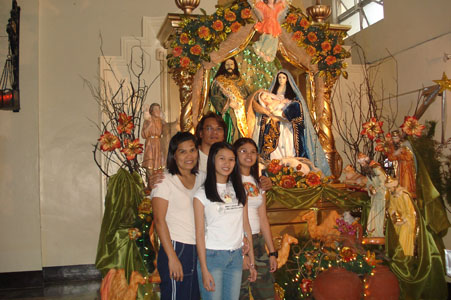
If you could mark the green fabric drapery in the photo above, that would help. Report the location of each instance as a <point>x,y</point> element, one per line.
<point>115,248</point>
<point>423,275</point>
<point>307,198</point>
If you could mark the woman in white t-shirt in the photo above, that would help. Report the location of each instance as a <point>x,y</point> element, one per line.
<point>174,219</point>
<point>220,213</point>
<point>265,264</point>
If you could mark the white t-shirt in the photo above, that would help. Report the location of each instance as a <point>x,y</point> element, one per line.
<point>254,200</point>
<point>223,221</point>
<point>180,214</point>
<point>203,158</point>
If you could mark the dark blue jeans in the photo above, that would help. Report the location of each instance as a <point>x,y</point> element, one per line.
<point>188,289</point>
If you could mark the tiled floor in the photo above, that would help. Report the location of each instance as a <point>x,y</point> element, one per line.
<point>82,290</point>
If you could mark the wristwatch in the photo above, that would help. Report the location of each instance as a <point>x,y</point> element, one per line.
<point>275,254</point>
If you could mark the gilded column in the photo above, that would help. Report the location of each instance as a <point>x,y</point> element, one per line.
<point>184,81</point>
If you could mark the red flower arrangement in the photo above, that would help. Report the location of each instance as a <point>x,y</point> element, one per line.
<point>184,39</point>
<point>218,25</point>
<point>125,124</point>
<point>109,142</point>
<point>411,126</point>
<point>235,26</point>
<point>132,148</point>
<point>204,32</point>
<point>177,51</point>
<point>287,181</point>
<point>326,46</point>
<point>184,61</point>
<point>292,19</point>
<point>229,15</point>
<point>274,167</point>
<point>337,49</point>
<point>297,36</point>
<point>330,60</point>
<point>246,13</point>
<point>311,50</point>
<point>195,50</point>
<point>312,179</point>
<point>312,37</point>
<point>304,23</point>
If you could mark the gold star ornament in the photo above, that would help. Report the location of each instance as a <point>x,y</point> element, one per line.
<point>444,83</point>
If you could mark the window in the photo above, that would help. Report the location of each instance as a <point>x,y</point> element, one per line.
<point>358,13</point>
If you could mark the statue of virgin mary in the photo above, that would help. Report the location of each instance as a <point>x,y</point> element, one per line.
<point>285,129</point>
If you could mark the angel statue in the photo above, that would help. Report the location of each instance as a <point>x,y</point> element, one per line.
<point>280,121</point>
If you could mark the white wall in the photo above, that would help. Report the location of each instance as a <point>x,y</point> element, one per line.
<point>49,185</point>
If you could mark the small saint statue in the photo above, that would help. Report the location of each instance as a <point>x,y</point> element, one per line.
<point>152,132</point>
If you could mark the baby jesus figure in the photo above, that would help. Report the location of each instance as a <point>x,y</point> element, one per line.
<point>273,103</point>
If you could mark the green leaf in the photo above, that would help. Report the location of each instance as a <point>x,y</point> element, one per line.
<point>203,11</point>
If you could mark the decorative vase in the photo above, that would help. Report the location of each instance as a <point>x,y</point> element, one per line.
<point>187,5</point>
<point>337,284</point>
<point>382,285</point>
<point>319,12</point>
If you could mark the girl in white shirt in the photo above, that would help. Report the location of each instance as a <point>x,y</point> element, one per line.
<point>174,220</point>
<point>220,213</point>
<point>265,264</point>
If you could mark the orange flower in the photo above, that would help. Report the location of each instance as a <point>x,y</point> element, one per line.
<point>109,142</point>
<point>311,50</point>
<point>131,149</point>
<point>337,49</point>
<point>195,50</point>
<point>274,167</point>
<point>218,25</point>
<point>411,126</point>
<point>184,61</point>
<point>330,60</point>
<point>304,23</point>
<point>184,39</point>
<point>297,36</point>
<point>326,46</point>
<point>177,51</point>
<point>235,26</point>
<point>229,15</point>
<point>292,18</point>
<point>312,179</point>
<point>312,37</point>
<point>288,181</point>
<point>125,124</point>
<point>372,128</point>
<point>204,32</point>
<point>246,13</point>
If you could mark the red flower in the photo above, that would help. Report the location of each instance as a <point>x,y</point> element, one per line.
<point>274,167</point>
<point>312,179</point>
<point>306,285</point>
<point>184,39</point>
<point>326,46</point>
<point>379,145</point>
<point>218,25</point>
<point>347,254</point>
<point>177,51</point>
<point>311,50</point>
<point>337,49</point>
<point>131,149</point>
<point>411,126</point>
<point>304,23</point>
<point>299,167</point>
<point>229,15</point>
<point>312,37</point>
<point>372,128</point>
<point>109,142</point>
<point>246,13</point>
<point>184,61</point>
<point>125,124</point>
<point>297,36</point>
<point>330,60</point>
<point>204,32</point>
<point>235,26</point>
<point>195,50</point>
<point>288,181</point>
<point>292,19</point>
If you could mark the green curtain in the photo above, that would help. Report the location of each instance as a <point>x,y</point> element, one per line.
<point>307,197</point>
<point>115,249</point>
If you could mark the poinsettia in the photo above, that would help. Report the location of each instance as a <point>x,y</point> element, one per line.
<point>132,148</point>
<point>125,124</point>
<point>372,128</point>
<point>411,126</point>
<point>109,142</point>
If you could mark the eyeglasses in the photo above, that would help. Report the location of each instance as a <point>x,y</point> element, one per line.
<point>244,151</point>
<point>211,129</point>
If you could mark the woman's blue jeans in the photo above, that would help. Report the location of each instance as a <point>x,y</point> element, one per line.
<point>226,267</point>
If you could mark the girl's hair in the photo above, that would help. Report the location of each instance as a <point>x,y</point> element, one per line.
<point>211,190</point>
<point>176,140</point>
<point>243,141</point>
<point>289,93</point>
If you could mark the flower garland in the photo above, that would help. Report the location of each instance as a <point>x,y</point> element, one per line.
<point>200,36</point>
<point>323,45</point>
